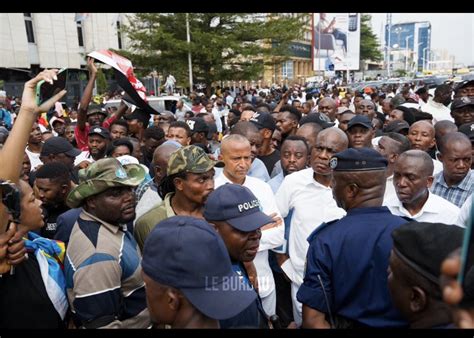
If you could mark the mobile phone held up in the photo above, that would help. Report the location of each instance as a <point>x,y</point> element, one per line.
<point>46,90</point>
<point>466,274</point>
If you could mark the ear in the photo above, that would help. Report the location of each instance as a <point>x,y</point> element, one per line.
<point>352,190</point>
<point>418,299</point>
<point>188,141</point>
<point>432,143</point>
<point>65,189</point>
<point>178,183</point>
<point>440,156</point>
<point>173,300</point>
<point>392,158</point>
<point>214,225</point>
<point>429,181</point>
<point>267,133</point>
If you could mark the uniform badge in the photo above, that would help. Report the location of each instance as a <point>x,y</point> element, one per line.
<point>97,130</point>
<point>120,173</point>
<point>333,163</point>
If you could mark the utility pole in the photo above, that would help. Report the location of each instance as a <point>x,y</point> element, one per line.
<point>188,37</point>
<point>389,43</point>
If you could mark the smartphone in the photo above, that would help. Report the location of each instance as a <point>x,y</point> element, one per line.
<point>46,90</point>
<point>467,253</point>
<point>352,22</point>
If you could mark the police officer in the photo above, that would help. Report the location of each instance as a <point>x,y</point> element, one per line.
<point>234,211</point>
<point>345,283</point>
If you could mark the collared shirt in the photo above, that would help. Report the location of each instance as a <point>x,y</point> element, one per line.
<point>436,209</point>
<point>349,259</point>
<point>389,190</point>
<point>147,222</point>
<point>276,182</point>
<point>456,194</point>
<point>148,199</point>
<point>258,170</point>
<point>103,275</point>
<point>439,111</point>
<point>313,205</point>
<point>271,238</point>
<point>465,212</point>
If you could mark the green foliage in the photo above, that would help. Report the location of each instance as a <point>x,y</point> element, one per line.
<point>400,73</point>
<point>235,49</point>
<point>101,82</point>
<point>369,47</point>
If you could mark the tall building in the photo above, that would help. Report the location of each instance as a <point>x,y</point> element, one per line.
<point>33,41</point>
<point>410,43</point>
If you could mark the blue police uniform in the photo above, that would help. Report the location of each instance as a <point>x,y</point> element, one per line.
<point>253,316</point>
<point>351,257</point>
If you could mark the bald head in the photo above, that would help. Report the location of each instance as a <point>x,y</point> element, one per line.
<point>422,135</point>
<point>244,128</point>
<point>310,132</point>
<point>337,134</point>
<point>442,128</point>
<point>451,138</point>
<point>229,142</point>
<point>328,106</point>
<point>161,156</point>
<point>421,159</point>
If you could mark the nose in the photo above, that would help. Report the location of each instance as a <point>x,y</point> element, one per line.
<point>325,155</point>
<point>292,158</point>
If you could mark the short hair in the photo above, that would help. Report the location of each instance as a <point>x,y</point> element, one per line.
<point>263,107</point>
<point>190,113</point>
<point>233,138</point>
<point>54,171</point>
<point>181,124</point>
<point>296,138</point>
<point>248,107</point>
<point>403,142</point>
<point>295,113</point>
<point>120,122</point>
<point>442,89</point>
<point>117,143</point>
<point>236,112</point>
<point>244,128</point>
<point>408,115</point>
<point>427,166</point>
<point>451,138</point>
<point>154,132</point>
<point>444,125</point>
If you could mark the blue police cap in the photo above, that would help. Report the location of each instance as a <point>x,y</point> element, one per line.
<point>360,120</point>
<point>236,205</point>
<point>188,254</point>
<point>358,159</point>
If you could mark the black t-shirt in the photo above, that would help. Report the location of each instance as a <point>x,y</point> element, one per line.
<point>50,225</point>
<point>270,160</point>
<point>24,303</point>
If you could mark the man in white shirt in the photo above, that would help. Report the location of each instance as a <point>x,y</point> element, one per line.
<point>422,137</point>
<point>437,106</point>
<point>235,152</point>
<point>391,146</point>
<point>413,176</point>
<point>308,193</point>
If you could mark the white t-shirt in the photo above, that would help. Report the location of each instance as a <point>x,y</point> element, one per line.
<point>34,159</point>
<point>439,111</point>
<point>271,238</point>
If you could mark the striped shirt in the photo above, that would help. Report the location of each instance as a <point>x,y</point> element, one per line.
<point>103,276</point>
<point>455,194</point>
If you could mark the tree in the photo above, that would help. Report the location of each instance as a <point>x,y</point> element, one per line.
<point>224,46</point>
<point>101,82</point>
<point>369,47</point>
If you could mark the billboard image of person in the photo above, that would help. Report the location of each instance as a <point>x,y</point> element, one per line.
<point>336,41</point>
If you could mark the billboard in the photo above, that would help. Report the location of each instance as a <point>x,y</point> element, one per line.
<point>336,41</point>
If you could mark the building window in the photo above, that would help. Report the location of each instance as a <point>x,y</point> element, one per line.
<point>287,70</point>
<point>29,27</point>
<point>80,37</point>
<point>119,35</point>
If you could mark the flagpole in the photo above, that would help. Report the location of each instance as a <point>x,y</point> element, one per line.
<point>188,37</point>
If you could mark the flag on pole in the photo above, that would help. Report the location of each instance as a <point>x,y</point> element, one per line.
<point>79,17</point>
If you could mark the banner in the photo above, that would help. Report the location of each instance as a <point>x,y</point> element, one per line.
<point>336,41</point>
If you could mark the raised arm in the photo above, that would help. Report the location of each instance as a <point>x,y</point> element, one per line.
<point>87,95</point>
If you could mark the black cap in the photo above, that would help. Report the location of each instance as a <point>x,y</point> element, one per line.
<point>100,131</point>
<point>318,118</point>
<point>461,102</point>
<point>360,120</point>
<point>198,125</point>
<point>59,145</point>
<point>424,246</point>
<point>468,130</point>
<point>396,126</point>
<point>139,115</point>
<point>96,108</point>
<point>358,159</point>
<point>463,84</point>
<point>263,120</point>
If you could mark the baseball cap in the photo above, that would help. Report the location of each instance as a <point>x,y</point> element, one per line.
<point>358,159</point>
<point>188,254</point>
<point>236,205</point>
<point>468,130</point>
<point>360,120</point>
<point>56,119</point>
<point>464,83</point>
<point>318,118</point>
<point>139,115</point>
<point>263,121</point>
<point>461,102</point>
<point>100,131</point>
<point>59,145</point>
<point>396,126</point>
<point>198,125</point>
<point>190,159</point>
<point>101,175</point>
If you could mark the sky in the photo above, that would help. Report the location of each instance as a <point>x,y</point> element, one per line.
<point>451,31</point>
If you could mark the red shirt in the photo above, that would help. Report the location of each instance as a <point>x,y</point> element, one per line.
<point>82,136</point>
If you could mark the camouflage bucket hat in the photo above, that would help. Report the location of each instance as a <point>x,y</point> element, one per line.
<point>191,159</point>
<point>102,175</point>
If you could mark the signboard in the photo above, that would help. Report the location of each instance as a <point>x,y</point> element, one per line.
<point>336,40</point>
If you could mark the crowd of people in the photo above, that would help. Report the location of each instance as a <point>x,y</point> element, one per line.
<point>257,208</point>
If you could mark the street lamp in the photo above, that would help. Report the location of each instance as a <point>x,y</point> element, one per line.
<point>406,51</point>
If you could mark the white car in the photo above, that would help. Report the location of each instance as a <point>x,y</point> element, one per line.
<point>159,103</point>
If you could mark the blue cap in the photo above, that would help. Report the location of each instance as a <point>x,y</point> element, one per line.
<point>236,205</point>
<point>358,159</point>
<point>360,120</point>
<point>188,254</point>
